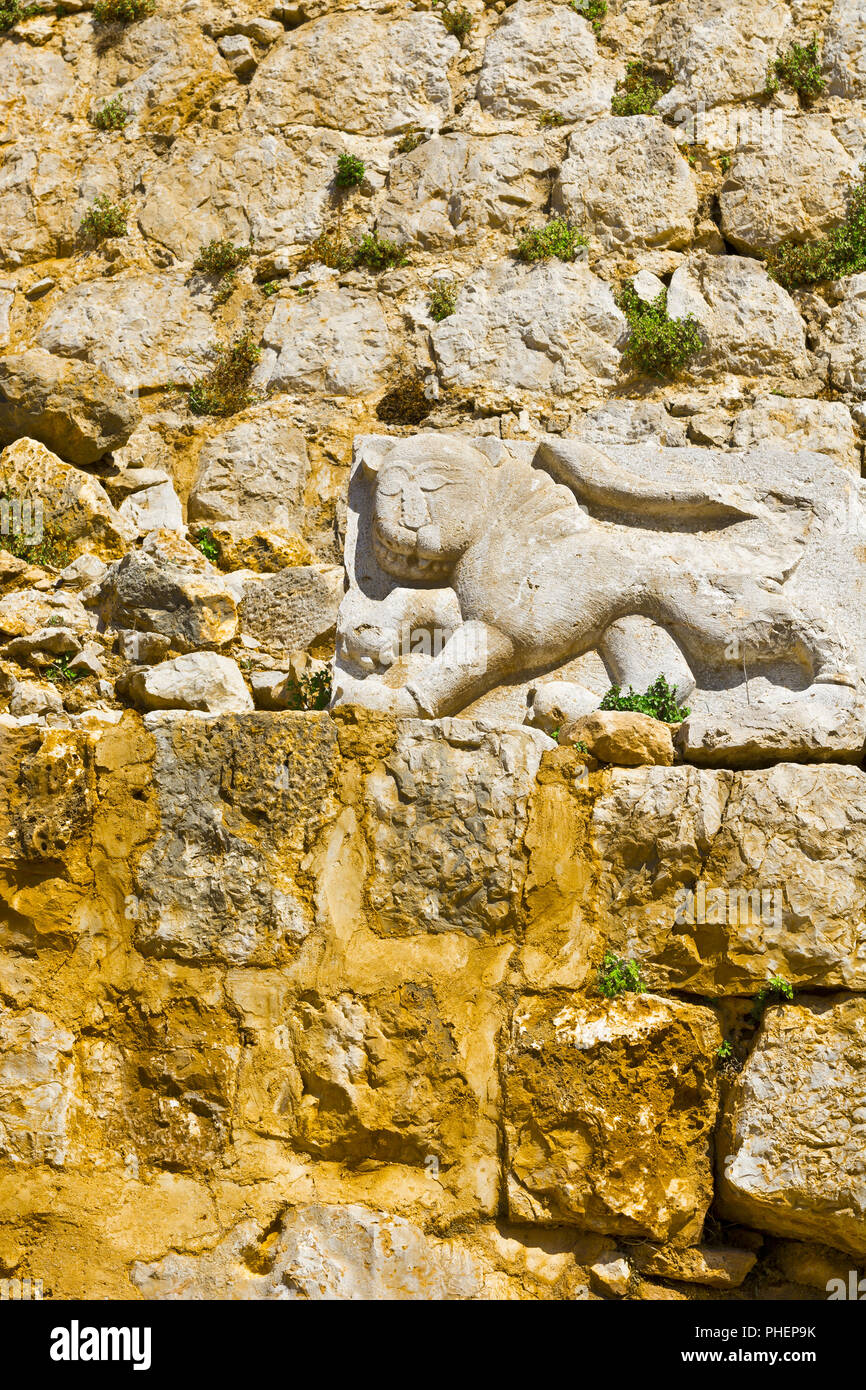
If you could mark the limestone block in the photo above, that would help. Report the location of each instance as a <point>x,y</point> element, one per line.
<point>542,57</point>
<point>72,507</point>
<point>626,184</point>
<point>170,588</point>
<point>37,1089</point>
<point>68,406</point>
<point>333,341</point>
<point>312,76</point>
<point>791,1141</point>
<point>621,738</point>
<point>719,52</point>
<point>196,680</point>
<point>585,1149</point>
<point>520,331</point>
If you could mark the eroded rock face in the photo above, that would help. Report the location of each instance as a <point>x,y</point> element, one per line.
<point>542,57</point>
<point>76,411</point>
<point>791,1151</point>
<point>72,506</point>
<point>574,1132</point>
<point>170,588</point>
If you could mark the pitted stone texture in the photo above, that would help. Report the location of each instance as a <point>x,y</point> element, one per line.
<point>38,91</point>
<point>453,188</point>
<point>212,887</point>
<point>295,608</point>
<point>717,880</point>
<point>792,1136</point>
<point>141,330</point>
<point>550,329</point>
<point>621,737</point>
<point>719,51</point>
<point>333,341</point>
<point>445,820</point>
<point>312,75</point>
<point>844,53</point>
<point>46,186</point>
<point>37,1089</point>
<point>320,1252</point>
<point>751,324</point>
<point>793,185</point>
<point>626,184</point>
<point>583,1147</point>
<point>540,57</point>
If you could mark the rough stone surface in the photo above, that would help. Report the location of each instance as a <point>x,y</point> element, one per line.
<point>332,341</point>
<point>198,680</point>
<point>542,57</point>
<point>791,1153</point>
<point>169,587</point>
<point>621,738</point>
<point>73,506</point>
<point>76,411</point>
<point>603,185</point>
<point>583,1150</point>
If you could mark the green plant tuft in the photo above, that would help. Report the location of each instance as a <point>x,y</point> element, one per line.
<point>226,388</point>
<point>798,67</point>
<point>205,542</point>
<point>616,976</point>
<point>122,11</point>
<point>378,253</point>
<point>443,300</point>
<point>219,257</point>
<point>310,690</point>
<point>592,10</point>
<point>551,118</point>
<point>458,22</point>
<point>59,672</point>
<point>638,92</point>
<point>557,238</point>
<point>841,252</point>
<point>777,990</point>
<point>657,343</point>
<point>410,141</point>
<point>12,11</point>
<point>104,219</point>
<point>350,171</point>
<point>660,701</point>
<point>112,115</point>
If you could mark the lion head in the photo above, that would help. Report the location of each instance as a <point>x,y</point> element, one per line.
<point>432,494</point>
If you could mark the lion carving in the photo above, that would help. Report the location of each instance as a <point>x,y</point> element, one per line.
<point>525,567</point>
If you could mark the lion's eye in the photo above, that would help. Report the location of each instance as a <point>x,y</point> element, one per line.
<point>432,482</point>
<point>390,483</point>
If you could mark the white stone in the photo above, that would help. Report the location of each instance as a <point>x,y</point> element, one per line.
<point>195,681</point>
<point>332,341</point>
<point>542,56</point>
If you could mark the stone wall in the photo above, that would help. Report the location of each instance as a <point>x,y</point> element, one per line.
<point>300,1006</point>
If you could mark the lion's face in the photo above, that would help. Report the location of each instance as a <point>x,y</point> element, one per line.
<point>430,504</point>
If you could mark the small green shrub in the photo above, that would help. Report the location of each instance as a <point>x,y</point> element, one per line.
<point>205,542</point>
<point>798,67</point>
<point>11,11</point>
<point>59,672</point>
<point>112,115</point>
<point>551,118</point>
<point>270,287</point>
<point>50,549</point>
<point>226,388</point>
<point>410,141</point>
<point>558,238</point>
<point>841,252</point>
<point>657,343</point>
<point>777,990</point>
<point>219,257</point>
<point>726,1060</point>
<point>458,22</point>
<point>724,162</point>
<point>592,10</point>
<point>378,253</point>
<point>372,252</point>
<point>617,976</point>
<point>122,11</point>
<point>310,690</point>
<point>104,219</point>
<point>350,171</point>
<point>660,701</point>
<point>443,300</point>
<point>638,92</point>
